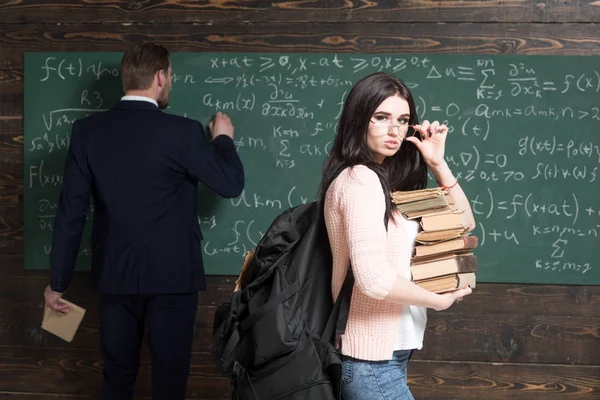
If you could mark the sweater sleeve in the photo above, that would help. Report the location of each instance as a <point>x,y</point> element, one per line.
<point>362,204</point>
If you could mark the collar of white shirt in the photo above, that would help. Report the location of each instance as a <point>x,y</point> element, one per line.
<point>139,98</point>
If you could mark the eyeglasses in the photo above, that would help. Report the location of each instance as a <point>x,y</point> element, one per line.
<point>385,126</point>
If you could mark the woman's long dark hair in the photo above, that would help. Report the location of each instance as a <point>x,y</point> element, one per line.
<point>406,170</point>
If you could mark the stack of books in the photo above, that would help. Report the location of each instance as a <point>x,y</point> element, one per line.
<point>442,260</point>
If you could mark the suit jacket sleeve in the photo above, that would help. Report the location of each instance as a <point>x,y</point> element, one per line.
<point>70,214</point>
<point>215,164</point>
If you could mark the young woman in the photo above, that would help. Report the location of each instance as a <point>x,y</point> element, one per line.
<point>380,148</point>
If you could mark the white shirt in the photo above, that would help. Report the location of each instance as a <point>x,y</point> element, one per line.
<point>414,318</point>
<point>139,98</point>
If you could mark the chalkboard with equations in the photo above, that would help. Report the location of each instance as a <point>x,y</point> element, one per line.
<point>524,143</point>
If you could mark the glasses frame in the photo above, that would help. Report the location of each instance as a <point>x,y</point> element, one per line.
<point>390,127</point>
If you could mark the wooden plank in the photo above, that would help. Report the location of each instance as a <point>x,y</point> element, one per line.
<point>11,189</point>
<point>301,11</point>
<point>492,381</point>
<point>78,372</point>
<point>11,91</point>
<point>511,338</point>
<point>11,140</point>
<point>11,225</point>
<point>532,300</point>
<point>11,263</point>
<point>8,74</point>
<point>465,38</point>
<point>11,184</point>
<point>39,396</point>
<point>11,218</point>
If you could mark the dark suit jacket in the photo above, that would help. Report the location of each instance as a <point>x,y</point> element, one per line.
<point>142,167</point>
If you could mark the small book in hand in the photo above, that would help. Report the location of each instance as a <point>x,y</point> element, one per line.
<point>63,325</point>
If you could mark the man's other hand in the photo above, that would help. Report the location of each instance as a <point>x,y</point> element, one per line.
<point>53,301</point>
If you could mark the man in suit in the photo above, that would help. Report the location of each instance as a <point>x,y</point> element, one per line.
<point>142,167</point>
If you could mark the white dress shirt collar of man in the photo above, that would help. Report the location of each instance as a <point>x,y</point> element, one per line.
<point>139,98</point>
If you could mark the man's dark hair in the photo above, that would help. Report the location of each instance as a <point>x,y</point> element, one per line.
<point>140,63</point>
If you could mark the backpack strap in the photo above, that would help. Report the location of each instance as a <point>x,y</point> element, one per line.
<point>269,306</point>
<point>253,318</point>
<point>233,340</point>
<point>341,309</point>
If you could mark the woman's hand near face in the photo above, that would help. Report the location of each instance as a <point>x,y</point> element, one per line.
<point>430,139</point>
<point>432,146</point>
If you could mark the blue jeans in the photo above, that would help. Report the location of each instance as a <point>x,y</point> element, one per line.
<point>376,380</point>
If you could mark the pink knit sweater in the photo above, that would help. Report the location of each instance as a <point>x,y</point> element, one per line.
<point>354,211</point>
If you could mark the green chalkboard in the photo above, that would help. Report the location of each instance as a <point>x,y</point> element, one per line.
<point>524,143</point>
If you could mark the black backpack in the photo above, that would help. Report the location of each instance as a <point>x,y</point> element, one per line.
<point>274,338</point>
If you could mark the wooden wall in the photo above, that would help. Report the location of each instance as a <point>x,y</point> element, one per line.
<point>505,342</point>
